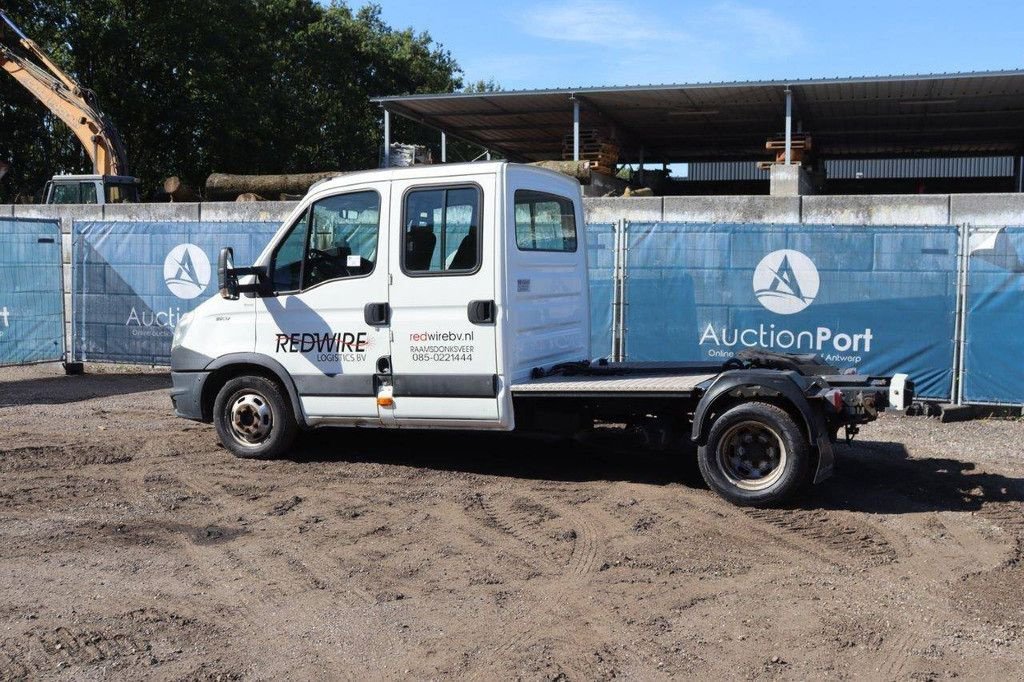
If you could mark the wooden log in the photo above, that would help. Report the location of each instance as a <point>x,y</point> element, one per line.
<point>576,169</point>
<point>223,185</point>
<point>177,190</point>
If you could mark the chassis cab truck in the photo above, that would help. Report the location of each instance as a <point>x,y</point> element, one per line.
<point>456,297</point>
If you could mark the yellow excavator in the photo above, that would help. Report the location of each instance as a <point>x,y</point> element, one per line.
<point>77,107</point>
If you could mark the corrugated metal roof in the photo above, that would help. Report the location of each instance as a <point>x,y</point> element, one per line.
<point>962,114</point>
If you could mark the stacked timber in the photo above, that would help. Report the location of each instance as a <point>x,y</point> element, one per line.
<point>225,185</point>
<point>601,152</point>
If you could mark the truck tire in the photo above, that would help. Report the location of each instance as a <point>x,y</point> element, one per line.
<point>253,418</point>
<point>755,455</point>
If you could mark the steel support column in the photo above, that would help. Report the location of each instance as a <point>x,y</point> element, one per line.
<point>444,147</point>
<point>575,129</point>
<point>387,139</point>
<point>789,126</point>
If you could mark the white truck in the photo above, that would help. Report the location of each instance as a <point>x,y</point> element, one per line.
<point>456,297</point>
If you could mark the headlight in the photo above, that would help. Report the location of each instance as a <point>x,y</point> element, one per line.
<point>181,329</point>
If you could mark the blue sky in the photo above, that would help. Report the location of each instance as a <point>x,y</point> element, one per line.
<point>564,43</point>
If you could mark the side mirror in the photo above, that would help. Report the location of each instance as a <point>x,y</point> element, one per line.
<point>227,280</point>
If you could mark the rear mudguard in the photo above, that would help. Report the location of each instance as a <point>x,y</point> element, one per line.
<point>789,385</point>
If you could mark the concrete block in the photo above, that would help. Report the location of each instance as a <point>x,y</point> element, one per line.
<point>66,214</point>
<point>986,209</point>
<point>246,211</point>
<point>877,209</point>
<point>634,209</point>
<point>6,210</point>
<point>65,247</point>
<point>152,212</point>
<point>732,209</point>
<point>790,181</point>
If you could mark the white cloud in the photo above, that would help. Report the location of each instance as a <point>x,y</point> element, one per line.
<point>693,41</point>
<point>601,22</point>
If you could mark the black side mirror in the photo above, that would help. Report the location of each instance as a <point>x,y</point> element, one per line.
<point>227,280</point>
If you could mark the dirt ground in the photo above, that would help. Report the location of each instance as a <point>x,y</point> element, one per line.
<point>132,545</point>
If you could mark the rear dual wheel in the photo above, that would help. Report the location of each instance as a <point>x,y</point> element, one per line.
<point>755,455</point>
<point>254,419</point>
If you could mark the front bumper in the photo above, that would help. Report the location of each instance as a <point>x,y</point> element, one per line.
<point>187,394</point>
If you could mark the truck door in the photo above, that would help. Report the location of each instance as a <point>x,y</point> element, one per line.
<point>445,319</point>
<point>326,321</point>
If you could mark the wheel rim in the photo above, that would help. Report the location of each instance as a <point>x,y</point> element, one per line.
<point>251,419</point>
<point>752,455</point>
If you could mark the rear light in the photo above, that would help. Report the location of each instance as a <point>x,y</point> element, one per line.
<point>835,398</point>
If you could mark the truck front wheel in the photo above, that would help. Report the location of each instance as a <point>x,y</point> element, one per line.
<point>253,418</point>
<point>755,455</point>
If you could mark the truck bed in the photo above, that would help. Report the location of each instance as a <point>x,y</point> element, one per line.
<point>648,379</point>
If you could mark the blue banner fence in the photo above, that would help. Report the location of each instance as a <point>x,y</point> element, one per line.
<point>31,305</point>
<point>991,368</point>
<point>880,299</point>
<point>132,281</point>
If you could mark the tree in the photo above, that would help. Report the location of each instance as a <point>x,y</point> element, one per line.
<point>242,86</point>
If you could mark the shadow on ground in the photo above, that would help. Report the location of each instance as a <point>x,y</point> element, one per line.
<point>881,478</point>
<point>58,390</point>
<point>871,477</point>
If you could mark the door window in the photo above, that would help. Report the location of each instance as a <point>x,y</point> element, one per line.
<point>335,239</point>
<point>441,234</point>
<point>65,193</point>
<point>544,222</point>
<point>88,193</point>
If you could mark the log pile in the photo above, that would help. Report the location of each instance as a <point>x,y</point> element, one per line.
<point>229,186</point>
<point>601,152</point>
<point>575,169</point>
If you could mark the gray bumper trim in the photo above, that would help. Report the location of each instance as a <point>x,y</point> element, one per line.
<point>187,393</point>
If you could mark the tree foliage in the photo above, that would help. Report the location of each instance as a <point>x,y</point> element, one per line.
<point>237,86</point>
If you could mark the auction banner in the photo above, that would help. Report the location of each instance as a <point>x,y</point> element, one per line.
<point>132,281</point>
<point>876,299</point>
<point>31,310</point>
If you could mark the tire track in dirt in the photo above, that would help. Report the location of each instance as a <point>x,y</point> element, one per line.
<point>846,541</point>
<point>139,635</point>
<point>528,520</point>
<point>36,457</point>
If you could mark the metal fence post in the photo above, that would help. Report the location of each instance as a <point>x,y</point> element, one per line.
<point>623,258</point>
<point>959,367</point>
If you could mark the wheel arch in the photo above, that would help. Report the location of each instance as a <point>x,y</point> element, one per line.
<point>227,367</point>
<point>742,387</point>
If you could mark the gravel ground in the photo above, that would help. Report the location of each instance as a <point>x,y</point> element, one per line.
<point>134,546</point>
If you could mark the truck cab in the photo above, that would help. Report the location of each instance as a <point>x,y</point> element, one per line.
<point>456,297</point>
<point>91,189</point>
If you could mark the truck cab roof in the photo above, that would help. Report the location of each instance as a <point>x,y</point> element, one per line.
<point>440,171</point>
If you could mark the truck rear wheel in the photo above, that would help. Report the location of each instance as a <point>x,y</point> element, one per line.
<point>755,455</point>
<point>253,418</point>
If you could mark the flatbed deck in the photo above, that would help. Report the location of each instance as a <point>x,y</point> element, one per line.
<point>648,381</point>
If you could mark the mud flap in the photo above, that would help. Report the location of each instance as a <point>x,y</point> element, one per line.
<point>826,459</point>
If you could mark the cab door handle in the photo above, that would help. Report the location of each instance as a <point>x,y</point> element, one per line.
<point>377,314</point>
<point>482,312</point>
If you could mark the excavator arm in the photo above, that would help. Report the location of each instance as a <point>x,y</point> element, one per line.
<point>70,102</point>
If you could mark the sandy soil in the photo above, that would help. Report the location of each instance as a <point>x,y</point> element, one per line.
<point>132,545</point>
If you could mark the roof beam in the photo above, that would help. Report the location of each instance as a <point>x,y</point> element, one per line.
<point>436,125</point>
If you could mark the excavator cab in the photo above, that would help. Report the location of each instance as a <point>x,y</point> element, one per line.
<point>91,189</point>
